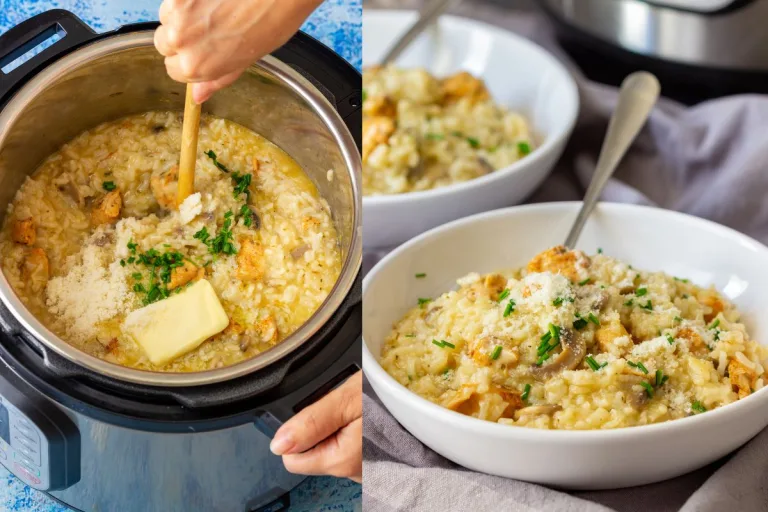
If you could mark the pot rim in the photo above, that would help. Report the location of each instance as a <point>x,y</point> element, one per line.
<point>350,269</point>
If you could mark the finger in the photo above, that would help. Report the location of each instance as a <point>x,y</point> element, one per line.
<point>166,10</point>
<point>173,69</point>
<point>161,42</point>
<point>318,421</point>
<point>201,92</point>
<point>339,455</point>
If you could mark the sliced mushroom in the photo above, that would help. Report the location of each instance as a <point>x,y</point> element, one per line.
<point>537,410</point>
<point>573,351</point>
<point>429,316</point>
<point>299,251</point>
<point>595,298</point>
<point>637,397</point>
<point>485,165</point>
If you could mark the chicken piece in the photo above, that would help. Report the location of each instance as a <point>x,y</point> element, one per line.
<point>695,341</point>
<point>34,269</point>
<point>24,232</point>
<point>490,286</point>
<point>559,260</point>
<point>467,401</point>
<point>481,350</point>
<point>463,85</point>
<point>267,330</point>
<point>742,378</point>
<point>250,260</point>
<point>379,106</point>
<point>376,130</point>
<point>107,211</point>
<point>608,332</point>
<point>712,299</point>
<point>165,187</point>
<point>184,274</point>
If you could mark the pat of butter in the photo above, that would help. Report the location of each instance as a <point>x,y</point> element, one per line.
<point>177,325</point>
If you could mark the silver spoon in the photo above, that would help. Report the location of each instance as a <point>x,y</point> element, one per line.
<point>637,96</point>
<point>429,14</point>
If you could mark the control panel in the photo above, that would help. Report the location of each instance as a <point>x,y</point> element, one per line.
<point>38,442</point>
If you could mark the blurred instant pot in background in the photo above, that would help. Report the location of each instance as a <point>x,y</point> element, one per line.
<point>700,49</point>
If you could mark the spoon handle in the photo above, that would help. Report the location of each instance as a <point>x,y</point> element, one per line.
<point>429,14</point>
<point>639,92</point>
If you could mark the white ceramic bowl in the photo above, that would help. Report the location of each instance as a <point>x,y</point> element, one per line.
<point>648,238</point>
<point>518,74</point>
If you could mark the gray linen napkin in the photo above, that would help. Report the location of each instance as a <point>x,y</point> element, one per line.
<point>710,161</point>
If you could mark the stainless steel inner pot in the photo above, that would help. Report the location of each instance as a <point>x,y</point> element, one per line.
<point>123,75</point>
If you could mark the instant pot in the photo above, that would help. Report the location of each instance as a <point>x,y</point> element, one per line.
<point>96,436</point>
<point>699,49</point>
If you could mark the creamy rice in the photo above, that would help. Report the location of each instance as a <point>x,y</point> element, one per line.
<point>576,342</point>
<point>421,132</point>
<point>290,233</point>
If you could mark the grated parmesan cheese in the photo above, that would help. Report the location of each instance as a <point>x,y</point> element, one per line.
<point>90,293</point>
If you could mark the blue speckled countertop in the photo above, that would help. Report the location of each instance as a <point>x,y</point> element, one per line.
<point>337,23</point>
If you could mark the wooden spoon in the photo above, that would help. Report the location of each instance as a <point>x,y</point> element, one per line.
<point>189,132</point>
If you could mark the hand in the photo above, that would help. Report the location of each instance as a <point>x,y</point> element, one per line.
<point>211,42</point>
<point>326,438</point>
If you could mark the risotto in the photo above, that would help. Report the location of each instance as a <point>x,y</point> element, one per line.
<point>420,132</point>
<point>576,342</point>
<point>95,234</point>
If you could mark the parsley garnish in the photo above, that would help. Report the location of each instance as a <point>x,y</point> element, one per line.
<point>594,364</point>
<point>641,291</point>
<point>210,154</point>
<point>640,366</point>
<point>714,324</point>
<point>579,323</point>
<point>421,275</point>
<point>422,302</point>
<point>242,182</point>
<point>510,308</point>
<point>526,392</point>
<point>503,295</point>
<point>523,147</point>
<point>109,186</point>
<point>697,407</point>
<point>496,352</point>
<point>549,341</point>
<point>592,318</point>
<point>434,136</point>
<point>629,302</point>
<point>443,344</point>
<point>648,388</point>
<point>660,378</point>
<point>647,306</point>
<point>473,142</point>
<point>223,241</point>
<point>586,281</point>
<point>670,339</point>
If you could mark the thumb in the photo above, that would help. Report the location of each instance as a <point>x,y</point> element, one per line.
<point>321,419</point>
<point>202,91</point>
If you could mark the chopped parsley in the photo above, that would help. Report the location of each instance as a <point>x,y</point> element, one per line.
<point>510,308</point>
<point>641,291</point>
<point>661,378</point>
<point>681,280</point>
<point>549,341</point>
<point>594,364</point>
<point>579,323</point>
<point>586,281</point>
<point>640,366</point>
<point>160,265</point>
<point>670,339</point>
<point>648,306</point>
<point>496,352</point>
<point>242,182</point>
<point>410,335</point>
<point>122,263</point>
<point>503,295</point>
<point>592,318</point>
<point>629,302</point>
<point>443,344</point>
<point>697,407</point>
<point>223,242</point>
<point>473,142</point>
<point>422,301</point>
<point>714,324</point>
<point>210,154</point>
<point>137,276</point>
<point>421,275</point>
<point>523,147</point>
<point>526,392</point>
<point>648,388</point>
<point>678,319</point>
<point>599,250</point>
<point>249,217</point>
<point>109,186</point>
<point>557,301</point>
<point>434,136</point>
